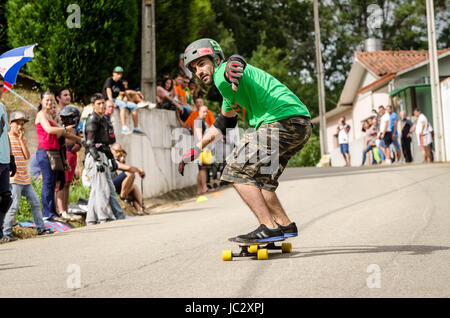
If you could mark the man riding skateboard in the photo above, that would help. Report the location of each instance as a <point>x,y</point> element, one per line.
<point>280,120</point>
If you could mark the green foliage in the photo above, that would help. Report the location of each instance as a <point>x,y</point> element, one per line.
<point>81,58</point>
<point>309,156</point>
<point>3,27</point>
<point>178,23</point>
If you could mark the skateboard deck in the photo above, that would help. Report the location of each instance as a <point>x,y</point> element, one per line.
<point>260,249</point>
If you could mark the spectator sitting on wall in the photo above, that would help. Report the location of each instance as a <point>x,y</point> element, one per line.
<point>180,84</point>
<point>114,90</point>
<point>165,98</point>
<point>136,96</point>
<point>124,181</point>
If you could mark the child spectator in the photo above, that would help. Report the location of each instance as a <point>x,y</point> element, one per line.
<point>21,182</point>
<point>114,90</point>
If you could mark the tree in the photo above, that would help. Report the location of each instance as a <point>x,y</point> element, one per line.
<point>3,43</point>
<point>79,57</point>
<point>178,23</point>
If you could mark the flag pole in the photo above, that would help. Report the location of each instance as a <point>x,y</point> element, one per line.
<point>20,97</point>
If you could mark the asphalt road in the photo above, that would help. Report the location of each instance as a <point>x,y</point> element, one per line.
<point>364,232</point>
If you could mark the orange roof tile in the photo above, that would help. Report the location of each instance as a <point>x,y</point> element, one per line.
<point>382,63</point>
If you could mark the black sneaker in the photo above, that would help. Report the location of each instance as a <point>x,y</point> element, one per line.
<point>260,235</point>
<point>289,230</point>
<point>45,232</point>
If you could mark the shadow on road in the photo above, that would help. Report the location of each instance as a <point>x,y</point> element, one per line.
<point>369,249</point>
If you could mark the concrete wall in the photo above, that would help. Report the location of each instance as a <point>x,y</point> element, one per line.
<point>156,152</point>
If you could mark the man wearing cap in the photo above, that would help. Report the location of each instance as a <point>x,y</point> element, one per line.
<point>21,181</point>
<point>7,163</point>
<point>282,127</point>
<point>113,89</point>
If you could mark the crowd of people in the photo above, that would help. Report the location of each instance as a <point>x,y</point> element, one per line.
<point>388,135</point>
<point>63,130</point>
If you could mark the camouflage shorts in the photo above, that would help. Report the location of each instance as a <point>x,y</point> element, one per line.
<point>262,155</point>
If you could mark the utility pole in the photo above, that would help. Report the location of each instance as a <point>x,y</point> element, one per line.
<point>320,82</point>
<point>148,56</point>
<point>435,85</point>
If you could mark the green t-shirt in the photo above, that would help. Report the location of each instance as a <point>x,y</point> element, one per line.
<point>260,97</point>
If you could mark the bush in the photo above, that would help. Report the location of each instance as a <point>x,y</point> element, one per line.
<point>309,156</point>
<point>81,58</point>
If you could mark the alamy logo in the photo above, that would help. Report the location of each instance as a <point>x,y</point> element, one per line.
<point>74,19</point>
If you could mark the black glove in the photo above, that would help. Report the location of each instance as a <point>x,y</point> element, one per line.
<point>234,70</point>
<point>100,166</point>
<point>12,166</point>
<point>189,156</point>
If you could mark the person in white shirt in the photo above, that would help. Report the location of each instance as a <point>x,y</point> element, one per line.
<point>385,133</point>
<point>342,131</point>
<point>421,129</point>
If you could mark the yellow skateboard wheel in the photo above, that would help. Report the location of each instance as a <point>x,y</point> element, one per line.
<point>263,254</point>
<point>227,256</point>
<point>286,247</point>
<point>253,249</point>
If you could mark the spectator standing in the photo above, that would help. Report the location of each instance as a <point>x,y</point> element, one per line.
<point>406,126</point>
<point>21,182</point>
<point>430,139</point>
<point>210,119</point>
<point>385,133</point>
<point>113,89</point>
<point>71,113</point>
<point>420,127</point>
<point>124,181</point>
<point>7,163</point>
<point>96,163</point>
<point>370,131</point>
<point>109,111</point>
<point>342,130</point>
<point>48,152</point>
<point>394,124</point>
<point>200,127</point>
